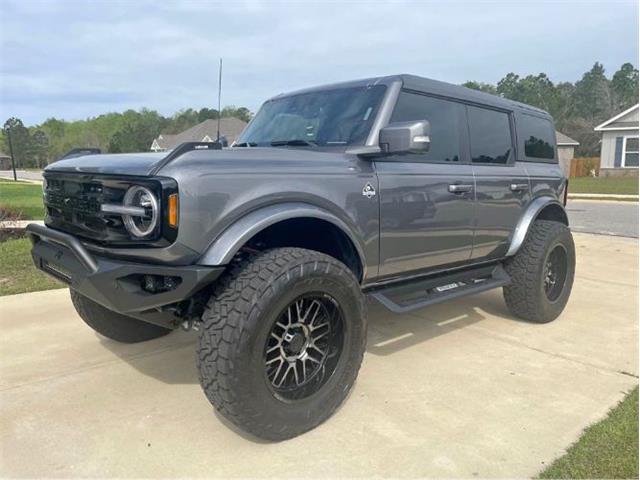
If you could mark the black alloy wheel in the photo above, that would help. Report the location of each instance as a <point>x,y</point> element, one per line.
<point>304,346</point>
<point>555,272</point>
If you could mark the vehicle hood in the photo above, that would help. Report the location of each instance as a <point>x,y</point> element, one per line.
<point>113,164</point>
<point>198,162</point>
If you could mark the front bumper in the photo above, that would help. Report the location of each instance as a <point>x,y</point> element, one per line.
<point>116,285</point>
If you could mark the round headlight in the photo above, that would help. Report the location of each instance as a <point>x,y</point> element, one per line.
<point>141,225</point>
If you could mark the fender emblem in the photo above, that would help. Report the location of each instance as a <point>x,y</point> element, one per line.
<point>368,191</point>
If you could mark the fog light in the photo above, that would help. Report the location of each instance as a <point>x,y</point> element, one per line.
<point>159,283</point>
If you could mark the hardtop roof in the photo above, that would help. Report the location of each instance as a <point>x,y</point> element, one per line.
<point>427,85</point>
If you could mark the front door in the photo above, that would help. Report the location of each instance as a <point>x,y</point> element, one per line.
<point>427,200</point>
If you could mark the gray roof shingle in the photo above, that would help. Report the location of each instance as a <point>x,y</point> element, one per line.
<point>563,140</point>
<point>230,127</point>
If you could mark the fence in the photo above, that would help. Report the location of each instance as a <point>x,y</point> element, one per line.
<point>582,166</point>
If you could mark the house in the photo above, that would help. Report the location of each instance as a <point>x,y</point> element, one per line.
<point>5,161</point>
<point>207,131</point>
<point>566,148</point>
<point>619,148</point>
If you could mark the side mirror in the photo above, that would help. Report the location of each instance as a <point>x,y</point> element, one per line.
<point>406,137</point>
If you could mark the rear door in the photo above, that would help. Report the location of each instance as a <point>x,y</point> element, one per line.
<point>502,184</point>
<point>427,200</point>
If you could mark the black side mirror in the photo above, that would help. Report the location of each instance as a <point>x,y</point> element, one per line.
<point>406,137</point>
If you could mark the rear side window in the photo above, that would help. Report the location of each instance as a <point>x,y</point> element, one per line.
<point>489,135</point>
<point>445,118</point>
<point>538,135</point>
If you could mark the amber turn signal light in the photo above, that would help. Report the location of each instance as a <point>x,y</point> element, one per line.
<point>173,210</point>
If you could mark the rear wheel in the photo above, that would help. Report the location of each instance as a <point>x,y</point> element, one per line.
<point>282,341</point>
<point>541,272</point>
<point>115,326</point>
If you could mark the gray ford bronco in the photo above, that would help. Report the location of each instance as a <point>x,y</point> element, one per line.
<point>404,189</point>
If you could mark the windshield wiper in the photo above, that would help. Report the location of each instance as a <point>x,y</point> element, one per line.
<point>246,144</point>
<point>297,142</point>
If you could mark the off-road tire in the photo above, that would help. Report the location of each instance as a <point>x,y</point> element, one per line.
<point>115,326</point>
<point>525,295</point>
<point>235,326</point>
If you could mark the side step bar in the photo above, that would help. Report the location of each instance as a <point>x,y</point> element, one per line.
<point>422,293</point>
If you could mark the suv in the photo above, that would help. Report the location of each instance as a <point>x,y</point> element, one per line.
<point>408,190</point>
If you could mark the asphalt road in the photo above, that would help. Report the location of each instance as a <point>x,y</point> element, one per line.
<point>604,217</point>
<point>458,390</point>
<point>22,175</point>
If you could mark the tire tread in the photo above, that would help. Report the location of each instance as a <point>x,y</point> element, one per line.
<point>227,319</point>
<point>526,268</point>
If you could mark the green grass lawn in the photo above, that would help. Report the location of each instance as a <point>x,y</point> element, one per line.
<point>607,449</point>
<point>619,185</point>
<point>22,197</point>
<point>18,274</point>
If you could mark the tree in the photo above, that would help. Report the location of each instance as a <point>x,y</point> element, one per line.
<point>138,132</point>
<point>242,113</point>
<point>624,84</point>
<point>536,90</point>
<point>483,87</point>
<point>20,140</point>
<point>508,87</point>
<point>563,110</point>
<point>593,97</point>
<point>182,120</point>
<point>207,114</point>
<point>39,148</point>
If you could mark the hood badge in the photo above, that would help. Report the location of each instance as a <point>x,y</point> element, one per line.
<point>368,191</point>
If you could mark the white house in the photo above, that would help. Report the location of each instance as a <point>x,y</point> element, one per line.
<point>619,150</point>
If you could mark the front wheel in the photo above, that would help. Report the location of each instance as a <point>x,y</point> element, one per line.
<point>541,272</point>
<point>282,341</point>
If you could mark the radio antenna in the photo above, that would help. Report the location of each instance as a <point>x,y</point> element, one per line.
<point>219,96</point>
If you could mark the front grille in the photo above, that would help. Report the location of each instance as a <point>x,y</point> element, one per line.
<point>73,205</point>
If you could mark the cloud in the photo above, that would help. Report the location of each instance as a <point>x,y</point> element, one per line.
<point>77,59</point>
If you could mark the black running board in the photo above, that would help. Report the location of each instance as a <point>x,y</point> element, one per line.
<point>422,293</point>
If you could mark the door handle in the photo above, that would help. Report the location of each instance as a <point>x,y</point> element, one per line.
<point>460,188</point>
<point>519,187</point>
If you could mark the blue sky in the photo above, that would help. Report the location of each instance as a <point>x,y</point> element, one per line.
<point>75,60</point>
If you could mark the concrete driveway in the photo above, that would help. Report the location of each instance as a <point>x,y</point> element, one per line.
<point>455,390</point>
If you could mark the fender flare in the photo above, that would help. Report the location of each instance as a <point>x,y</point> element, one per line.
<point>227,244</point>
<point>527,218</point>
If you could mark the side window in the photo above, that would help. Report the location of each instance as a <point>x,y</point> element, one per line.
<point>445,118</point>
<point>538,135</point>
<point>489,135</point>
<point>630,158</point>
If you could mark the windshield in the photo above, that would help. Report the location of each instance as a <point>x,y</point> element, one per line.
<point>338,117</point>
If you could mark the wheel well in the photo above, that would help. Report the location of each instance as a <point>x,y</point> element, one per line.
<point>553,212</point>
<point>313,234</point>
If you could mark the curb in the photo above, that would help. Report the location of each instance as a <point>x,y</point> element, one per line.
<point>18,224</point>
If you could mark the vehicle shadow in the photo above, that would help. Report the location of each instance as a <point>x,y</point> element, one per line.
<point>171,359</point>
<point>390,333</point>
